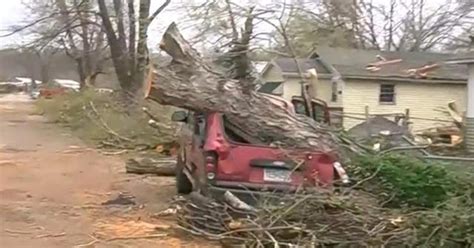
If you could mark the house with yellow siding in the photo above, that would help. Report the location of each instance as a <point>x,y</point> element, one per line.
<point>351,81</point>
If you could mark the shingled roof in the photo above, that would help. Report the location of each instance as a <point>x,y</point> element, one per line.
<point>353,62</point>
<point>288,65</point>
<point>462,58</point>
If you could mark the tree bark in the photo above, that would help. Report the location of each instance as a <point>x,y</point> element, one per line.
<point>132,33</point>
<point>191,83</point>
<point>119,58</point>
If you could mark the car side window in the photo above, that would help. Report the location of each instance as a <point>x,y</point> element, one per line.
<point>199,124</point>
<point>190,120</point>
<point>199,128</point>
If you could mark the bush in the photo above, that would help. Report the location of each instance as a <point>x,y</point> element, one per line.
<point>409,181</point>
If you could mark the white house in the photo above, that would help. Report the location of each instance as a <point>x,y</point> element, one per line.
<point>354,81</point>
<point>68,83</point>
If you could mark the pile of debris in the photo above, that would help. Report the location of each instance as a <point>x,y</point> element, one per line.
<point>293,220</point>
<point>448,137</point>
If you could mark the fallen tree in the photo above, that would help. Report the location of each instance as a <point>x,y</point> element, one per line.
<point>192,83</point>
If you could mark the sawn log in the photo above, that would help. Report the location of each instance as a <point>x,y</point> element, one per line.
<point>145,165</point>
<point>192,83</point>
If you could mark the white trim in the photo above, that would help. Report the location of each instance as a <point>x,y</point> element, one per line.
<point>461,61</point>
<point>470,92</point>
<point>268,66</point>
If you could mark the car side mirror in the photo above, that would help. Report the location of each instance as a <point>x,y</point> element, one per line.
<point>179,116</point>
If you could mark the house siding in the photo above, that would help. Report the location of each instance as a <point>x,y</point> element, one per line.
<point>421,98</point>
<point>272,75</point>
<point>322,88</point>
<point>291,87</point>
<point>323,91</point>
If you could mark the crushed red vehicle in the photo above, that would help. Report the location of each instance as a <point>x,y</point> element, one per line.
<point>51,92</point>
<point>215,156</point>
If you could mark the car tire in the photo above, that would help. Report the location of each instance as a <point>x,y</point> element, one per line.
<point>183,185</point>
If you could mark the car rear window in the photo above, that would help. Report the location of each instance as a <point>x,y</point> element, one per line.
<point>235,133</point>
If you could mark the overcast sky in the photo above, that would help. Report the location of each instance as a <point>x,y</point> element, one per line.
<point>10,14</point>
<point>13,13</point>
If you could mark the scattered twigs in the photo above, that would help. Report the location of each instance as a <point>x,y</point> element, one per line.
<point>319,219</point>
<point>52,235</point>
<point>97,240</point>
<point>431,235</point>
<point>114,153</point>
<point>105,126</point>
<point>411,142</point>
<point>433,157</point>
<point>151,236</point>
<point>16,231</point>
<point>94,240</point>
<point>150,115</point>
<point>393,149</point>
<point>368,178</point>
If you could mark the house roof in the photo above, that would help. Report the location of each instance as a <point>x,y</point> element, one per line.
<point>288,65</point>
<point>353,62</point>
<point>464,58</point>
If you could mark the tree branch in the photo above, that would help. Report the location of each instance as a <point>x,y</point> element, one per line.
<point>132,32</point>
<point>158,11</point>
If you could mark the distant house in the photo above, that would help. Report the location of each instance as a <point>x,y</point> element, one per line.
<point>20,81</point>
<point>351,81</point>
<point>68,83</point>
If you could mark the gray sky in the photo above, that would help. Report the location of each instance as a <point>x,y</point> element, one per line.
<point>10,14</point>
<point>13,13</point>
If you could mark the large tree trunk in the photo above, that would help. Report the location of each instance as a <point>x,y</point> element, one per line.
<point>191,83</point>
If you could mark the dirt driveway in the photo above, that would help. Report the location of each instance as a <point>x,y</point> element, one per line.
<point>53,189</point>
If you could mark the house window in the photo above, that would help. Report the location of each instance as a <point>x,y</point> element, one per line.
<point>334,91</point>
<point>387,94</point>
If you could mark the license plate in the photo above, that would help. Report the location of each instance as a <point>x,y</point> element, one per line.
<point>272,175</point>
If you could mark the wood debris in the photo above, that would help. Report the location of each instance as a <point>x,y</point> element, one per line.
<point>422,72</point>
<point>292,220</point>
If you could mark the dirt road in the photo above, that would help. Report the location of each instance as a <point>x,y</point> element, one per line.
<point>53,189</point>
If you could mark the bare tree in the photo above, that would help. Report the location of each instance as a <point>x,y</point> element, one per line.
<point>71,25</point>
<point>129,55</point>
<point>83,41</point>
<point>411,25</point>
<point>36,61</point>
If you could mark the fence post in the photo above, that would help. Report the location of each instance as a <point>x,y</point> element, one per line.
<point>367,121</point>
<point>406,121</point>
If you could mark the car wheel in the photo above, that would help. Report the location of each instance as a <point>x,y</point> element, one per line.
<point>183,185</point>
